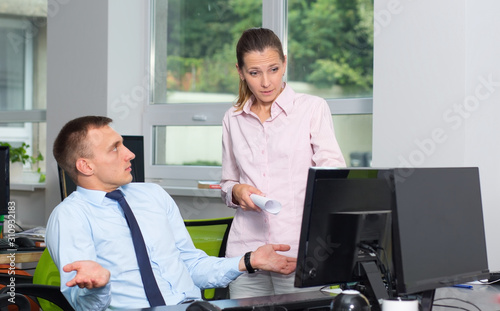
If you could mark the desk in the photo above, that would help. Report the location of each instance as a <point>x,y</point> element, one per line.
<point>296,301</point>
<point>481,297</point>
<point>20,256</point>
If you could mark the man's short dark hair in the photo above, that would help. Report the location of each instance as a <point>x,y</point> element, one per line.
<point>71,142</point>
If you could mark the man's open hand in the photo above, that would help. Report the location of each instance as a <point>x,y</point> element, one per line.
<point>266,258</point>
<point>89,274</point>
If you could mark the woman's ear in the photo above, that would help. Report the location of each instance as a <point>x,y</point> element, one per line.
<point>242,78</point>
<point>84,166</point>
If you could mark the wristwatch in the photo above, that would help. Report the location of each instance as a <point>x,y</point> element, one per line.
<point>249,267</point>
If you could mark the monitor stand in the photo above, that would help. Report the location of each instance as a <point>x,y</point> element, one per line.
<point>427,298</point>
<point>374,288</point>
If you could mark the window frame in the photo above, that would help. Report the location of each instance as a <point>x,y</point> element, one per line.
<point>274,16</point>
<point>27,115</point>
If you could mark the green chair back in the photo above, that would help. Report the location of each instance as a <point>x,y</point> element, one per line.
<point>46,273</point>
<point>210,235</point>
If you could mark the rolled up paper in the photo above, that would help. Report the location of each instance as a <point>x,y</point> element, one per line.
<point>271,206</point>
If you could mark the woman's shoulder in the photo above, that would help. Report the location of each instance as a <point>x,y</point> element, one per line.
<point>310,102</point>
<point>313,99</point>
<point>300,97</point>
<point>232,112</point>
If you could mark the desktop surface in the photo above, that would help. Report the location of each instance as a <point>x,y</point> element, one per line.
<point>479,297</point>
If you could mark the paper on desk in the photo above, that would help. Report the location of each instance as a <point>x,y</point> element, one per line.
<point>271,206</point>
<point>37,233</point>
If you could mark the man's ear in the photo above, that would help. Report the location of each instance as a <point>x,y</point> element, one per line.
<point>84,166</point>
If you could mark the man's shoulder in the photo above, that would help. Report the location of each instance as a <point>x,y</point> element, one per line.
<point>140,189</point>
<point>71,206</point>
<point>142,186</point>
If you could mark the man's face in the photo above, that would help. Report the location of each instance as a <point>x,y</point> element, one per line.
<point>111,159</point>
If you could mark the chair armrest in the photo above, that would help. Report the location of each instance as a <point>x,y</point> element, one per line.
<point>19,300</point>
<point>47,292</point>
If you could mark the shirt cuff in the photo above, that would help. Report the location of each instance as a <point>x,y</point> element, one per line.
<point>234,271</point>
<point>228,196</point>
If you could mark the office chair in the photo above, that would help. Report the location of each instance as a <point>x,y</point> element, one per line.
<point>210,235</point>
<point>45,287</point>
<point>14,300</point>
<point>66,184</point>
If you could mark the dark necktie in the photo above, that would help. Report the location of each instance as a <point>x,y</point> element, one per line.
<point>148,279</point>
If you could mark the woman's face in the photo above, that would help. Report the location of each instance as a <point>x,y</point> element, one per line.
<point>263,72</point>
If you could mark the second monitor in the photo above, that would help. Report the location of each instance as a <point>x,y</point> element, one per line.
<point>396,231</point>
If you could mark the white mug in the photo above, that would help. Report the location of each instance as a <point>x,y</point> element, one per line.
<point>398,304</point>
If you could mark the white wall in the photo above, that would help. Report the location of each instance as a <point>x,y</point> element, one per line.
<point>97,64</point>
<point>437,90</point>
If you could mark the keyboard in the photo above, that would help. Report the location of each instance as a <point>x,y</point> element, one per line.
<point>19,243</point>
<point>6,244</point>
<point>314,300</point>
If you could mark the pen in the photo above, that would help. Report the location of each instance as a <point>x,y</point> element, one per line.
<point>463,286</point>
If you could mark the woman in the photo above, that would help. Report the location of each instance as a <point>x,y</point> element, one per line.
<point>270,139</point>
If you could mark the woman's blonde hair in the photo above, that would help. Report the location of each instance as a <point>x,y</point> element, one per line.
<point>254,39</point>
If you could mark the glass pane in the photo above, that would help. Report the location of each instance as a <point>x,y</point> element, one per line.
<point>13,64</point>
<point>330,47</point>
<point>354,135</point>
<point>23,74</point>
<point>187,145</point>
<point>195,48</point>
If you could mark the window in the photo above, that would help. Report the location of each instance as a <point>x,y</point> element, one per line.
<point>329,45</point>
<point>23,74</point>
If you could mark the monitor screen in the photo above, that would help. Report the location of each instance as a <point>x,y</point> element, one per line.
<point>435,222</point>
<point>4,180</point>
<point>136,145</point>
<point>439,235</point>
<point>328,193</point>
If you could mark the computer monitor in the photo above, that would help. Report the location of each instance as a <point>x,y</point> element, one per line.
<point>434,227</point>
<point>136,145</point>
<point>4,180</point>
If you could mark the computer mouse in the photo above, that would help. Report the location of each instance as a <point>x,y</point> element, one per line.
<point>202,305</point>
<point>24,242</point>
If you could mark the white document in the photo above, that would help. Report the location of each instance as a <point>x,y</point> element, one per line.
<point>271,206</point>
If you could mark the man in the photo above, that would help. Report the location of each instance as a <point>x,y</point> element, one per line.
<point>90,241</point>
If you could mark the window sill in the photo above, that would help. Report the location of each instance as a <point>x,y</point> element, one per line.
<point>192,192</point>
<point>26,186</point>
<point>185,188</point>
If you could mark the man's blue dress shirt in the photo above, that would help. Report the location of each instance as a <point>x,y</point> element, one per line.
<point>89,226</point>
